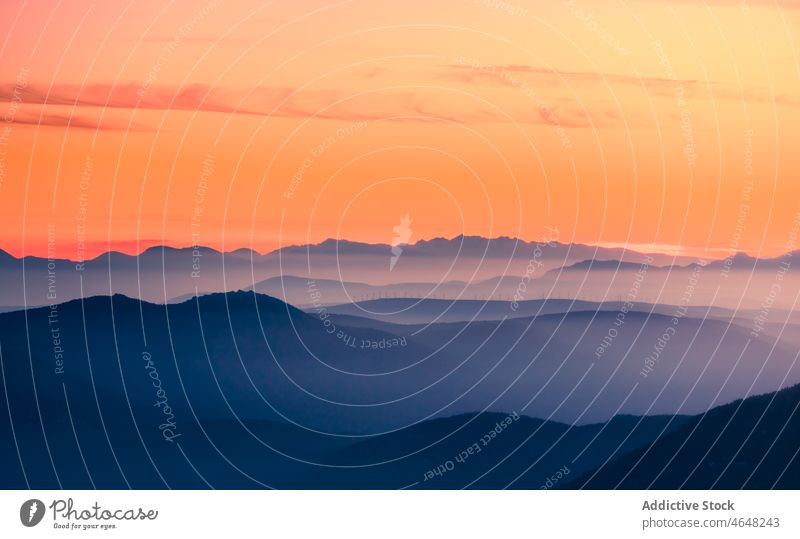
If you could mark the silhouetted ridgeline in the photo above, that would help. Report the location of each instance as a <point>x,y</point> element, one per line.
<point>244,391</point>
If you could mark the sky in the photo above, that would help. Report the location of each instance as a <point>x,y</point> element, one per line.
<point>666,125</point>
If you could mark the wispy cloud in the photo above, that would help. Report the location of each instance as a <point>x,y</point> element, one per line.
<point>50,119</point>
<point>340,105</point>
<point>476,73</point>
<point>278,102</point>
<point>505,74</point>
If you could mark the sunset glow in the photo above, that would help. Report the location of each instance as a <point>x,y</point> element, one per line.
<point>252,124</point>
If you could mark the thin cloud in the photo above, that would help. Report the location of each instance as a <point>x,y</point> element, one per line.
<point>277,102</point>
<point>506,74</point>
<point>49,119</point>
<point>282,102</point>
<point>512,74</point>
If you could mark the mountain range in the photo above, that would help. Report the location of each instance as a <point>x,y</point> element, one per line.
<point>464,267</point>
<point>242,390</point>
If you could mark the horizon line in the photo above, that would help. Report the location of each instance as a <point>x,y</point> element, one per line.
<point>675,251</point>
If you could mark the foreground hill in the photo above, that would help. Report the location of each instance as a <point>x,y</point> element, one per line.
<point>754,444</point>
<point>244,391</point>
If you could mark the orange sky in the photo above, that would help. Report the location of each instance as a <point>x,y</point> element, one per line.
<point>647,123</point>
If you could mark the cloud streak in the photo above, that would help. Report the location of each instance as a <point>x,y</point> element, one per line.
<point>50,119</point>
<point>378,105</point>
<point>277,102</point>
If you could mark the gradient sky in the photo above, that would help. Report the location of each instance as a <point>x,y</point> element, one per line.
<point>668,125</point>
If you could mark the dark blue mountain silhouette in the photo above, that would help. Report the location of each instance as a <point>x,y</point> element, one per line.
<point>261,395</point>
<point>753,444</point>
